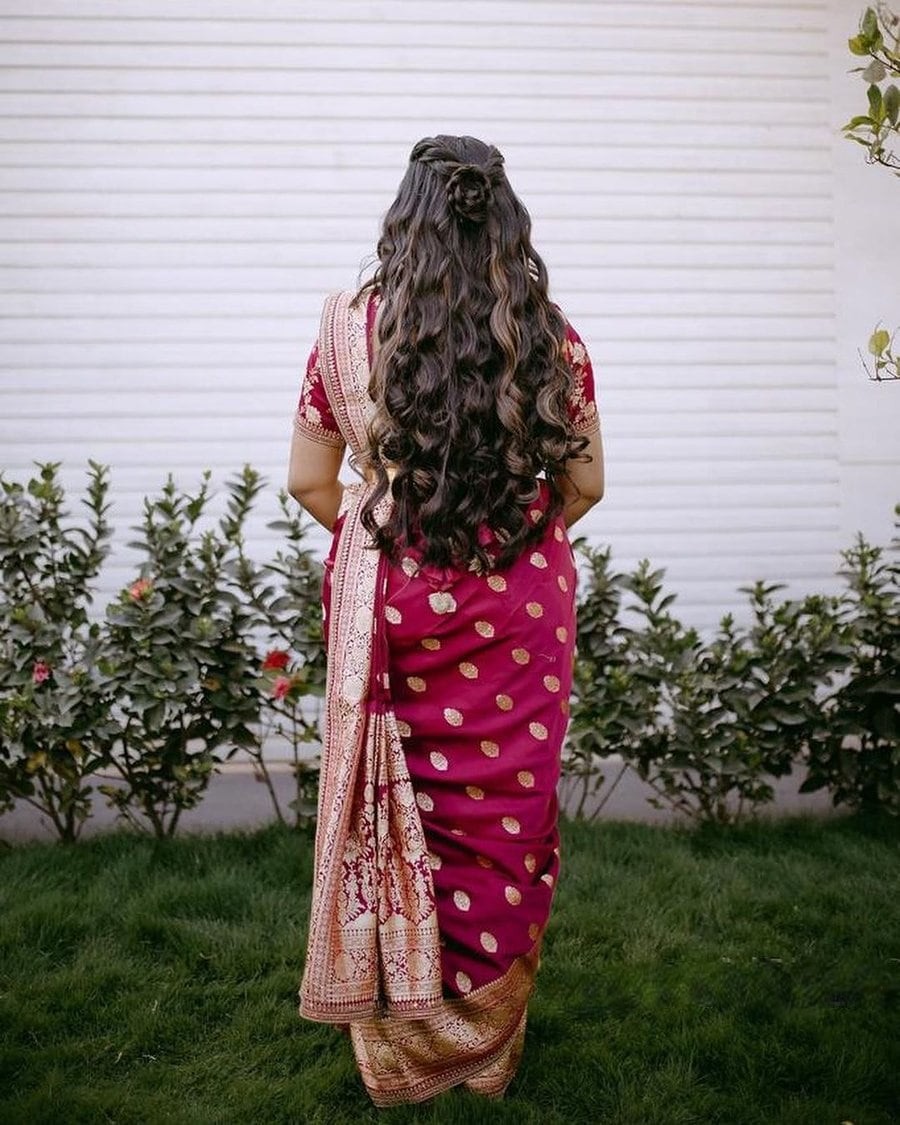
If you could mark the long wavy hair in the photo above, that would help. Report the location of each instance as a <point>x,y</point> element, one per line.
<point>468,377</point>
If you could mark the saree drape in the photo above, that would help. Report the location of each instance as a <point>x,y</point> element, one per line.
<point>437,846</point>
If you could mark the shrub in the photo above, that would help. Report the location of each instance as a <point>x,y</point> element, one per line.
<point>856,749</point>
<point>283,600</point>
<point>708,724</point>
<point>56,728</point>
<point>207,651</point>
<point>181,662</point>
<point>172,681</point>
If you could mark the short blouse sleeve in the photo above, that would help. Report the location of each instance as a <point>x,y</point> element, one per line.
<point>583,415</point>
<point>314,417</point>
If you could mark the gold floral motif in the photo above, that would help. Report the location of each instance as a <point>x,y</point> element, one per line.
<point>562,634</point>
<point>476,793</point>
<point>435,862</point>
<point>307,419</point>
<point>490,749</point>
<point>584,418</point>
<point>521,655</point>
<point>409,566</point>
<point>513,895</point>
<point>547,878</point>
<point>483,861</point>
<point>453,717</point>
<point>551,683</point>
<point>484,628</point>
<point>393,615</point>
<point>562,583</point>
<point>534,514</point>
<point>431,643</point>
<point>534,609</point>
<point>538,730</point>
<point>533,931</point>
<point>497,583</point>
<point>425,803</point>
<point>442,601</point>
<point>469,670</point>
<point>558,534</point>
<point>404,729</point>
<point>525,778</point>
<point>504,702</point>
<point>463,982</point>
<point>530,862</point>
<point>511,825</point>
<point>461,900</point>
<point>488,941</point>
<point>438,760</point>
<point>415,683</point>
<point>538,560</point>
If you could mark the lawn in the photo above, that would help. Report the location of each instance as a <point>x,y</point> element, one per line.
<point>723,976</point>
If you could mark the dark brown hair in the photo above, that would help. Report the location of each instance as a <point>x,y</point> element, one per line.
<point>469,378</point>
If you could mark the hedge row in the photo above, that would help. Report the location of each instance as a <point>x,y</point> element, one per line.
<point>206,652</point>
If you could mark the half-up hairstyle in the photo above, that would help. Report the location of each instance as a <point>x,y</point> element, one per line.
<point>468,376</point>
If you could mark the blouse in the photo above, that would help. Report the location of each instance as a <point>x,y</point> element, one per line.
<point>314,417</point>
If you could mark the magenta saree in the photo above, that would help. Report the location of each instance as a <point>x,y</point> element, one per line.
<point>437,846</point>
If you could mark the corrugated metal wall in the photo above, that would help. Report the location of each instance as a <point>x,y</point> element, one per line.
<point>182,182</point>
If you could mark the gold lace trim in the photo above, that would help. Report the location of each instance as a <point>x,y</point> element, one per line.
<point>475,1039</point>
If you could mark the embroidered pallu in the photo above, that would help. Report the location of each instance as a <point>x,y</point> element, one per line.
<point>437,844</point>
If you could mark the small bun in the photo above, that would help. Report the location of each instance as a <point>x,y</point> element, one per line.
<point>469,192</point>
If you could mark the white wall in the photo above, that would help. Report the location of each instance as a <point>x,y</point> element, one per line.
<point>182,182</point>
<point>867,290</point>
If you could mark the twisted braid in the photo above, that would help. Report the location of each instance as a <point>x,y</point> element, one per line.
<point>470,187</point>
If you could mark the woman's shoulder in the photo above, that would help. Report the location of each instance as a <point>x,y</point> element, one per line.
<point>573,346</point>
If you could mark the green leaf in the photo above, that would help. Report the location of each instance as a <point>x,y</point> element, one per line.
<point>892,103</point>
<point>869,24</point>
<point>879,341</point>
<point>787,716</point>
<point>876,108</point>
<point>875,71</point>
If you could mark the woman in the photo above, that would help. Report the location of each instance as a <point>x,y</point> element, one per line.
<point>467,401</point>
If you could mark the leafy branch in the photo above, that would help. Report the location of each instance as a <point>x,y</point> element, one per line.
<point>874,130</point>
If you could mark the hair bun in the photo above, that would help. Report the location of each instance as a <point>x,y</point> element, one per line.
<point>469,192</point>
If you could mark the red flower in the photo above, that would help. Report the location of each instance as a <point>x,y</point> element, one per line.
<point>40,672</point>
<point>276,659</point>
<point>281,687</point>
<point>141,589</point>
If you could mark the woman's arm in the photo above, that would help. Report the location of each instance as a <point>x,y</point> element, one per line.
<point>313,478</point>
<point>582,485</point>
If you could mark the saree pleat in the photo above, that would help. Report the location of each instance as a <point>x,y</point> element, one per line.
<point>437,847</point>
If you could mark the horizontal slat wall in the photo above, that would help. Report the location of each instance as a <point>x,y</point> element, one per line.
<point>180,183</point>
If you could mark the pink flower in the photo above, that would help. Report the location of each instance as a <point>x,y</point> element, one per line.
<point>281,687</point>
<point>40,672</point>
<point>139,590</point>
<point>275,659</point>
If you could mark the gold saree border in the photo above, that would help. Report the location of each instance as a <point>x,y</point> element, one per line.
<point>476,1039</point>
<point>373,944</point>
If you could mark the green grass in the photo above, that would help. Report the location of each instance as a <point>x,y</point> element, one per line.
<point>724,976</point>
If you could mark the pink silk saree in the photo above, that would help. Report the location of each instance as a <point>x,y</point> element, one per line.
<point>437,846</point>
